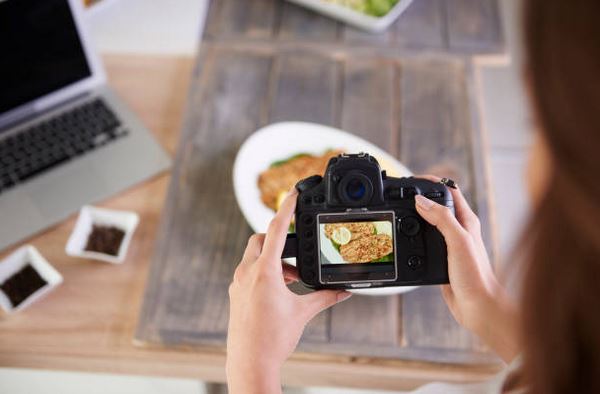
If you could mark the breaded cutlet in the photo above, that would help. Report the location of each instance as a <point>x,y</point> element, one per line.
<point>367,249</point>
<point>357,229</point>
<point>281,178</point>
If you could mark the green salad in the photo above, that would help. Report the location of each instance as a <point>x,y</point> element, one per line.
<point>369,7</point>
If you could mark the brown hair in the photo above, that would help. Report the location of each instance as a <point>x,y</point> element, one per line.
<point>561,306</point>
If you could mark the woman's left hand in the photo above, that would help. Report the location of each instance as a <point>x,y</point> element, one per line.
<point>266,319</point>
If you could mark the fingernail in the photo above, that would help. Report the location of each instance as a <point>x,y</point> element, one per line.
<point>423,202</point>
<point>292,191</point>
<point>343,295</point>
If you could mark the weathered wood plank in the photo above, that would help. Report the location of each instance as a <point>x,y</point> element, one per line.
<point>355,36</point>
<point>370,321</point>
<point>199,235</point>
<point>306,87</point>
<point>422,25</point>
<point>368,99</point>
<point>251,19</point>
<point>474,25</point>
<point>458,26</point>
<point>435,138</point>
<point>298,23</point>
<point>435,124</point>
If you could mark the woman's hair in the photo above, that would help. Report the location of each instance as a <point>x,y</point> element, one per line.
<point>561,305</point>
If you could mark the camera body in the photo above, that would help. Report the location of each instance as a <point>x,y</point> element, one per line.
<point>358,228</point>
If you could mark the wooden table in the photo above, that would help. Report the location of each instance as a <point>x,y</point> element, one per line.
<point>88,323</point>
<point>264,61</point>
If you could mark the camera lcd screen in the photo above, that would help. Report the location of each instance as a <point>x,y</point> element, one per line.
<point>357,247</point>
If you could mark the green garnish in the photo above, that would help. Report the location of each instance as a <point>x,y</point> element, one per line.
<point>384,259</point>
<point>336,245</point>
<point>283,161</point>
<point>370,7</point>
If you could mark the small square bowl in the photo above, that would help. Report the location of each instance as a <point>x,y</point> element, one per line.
<point>89,216</point>
<point>15,262</point>
<point>370,23</point>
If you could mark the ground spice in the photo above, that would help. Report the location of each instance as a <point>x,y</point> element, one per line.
<point>22,284</point>
<point>105,239</point>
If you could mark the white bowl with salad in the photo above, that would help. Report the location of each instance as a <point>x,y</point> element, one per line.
<point>371,15</point>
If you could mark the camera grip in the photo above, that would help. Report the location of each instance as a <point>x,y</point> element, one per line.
<point>291,246</point>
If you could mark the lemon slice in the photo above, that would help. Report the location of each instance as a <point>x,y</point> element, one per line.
<point>341,235</point>
<point>280,197</point>
<point>383,228</point>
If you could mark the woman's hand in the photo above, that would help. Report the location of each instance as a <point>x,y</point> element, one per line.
<point>266,319</point>
<point>475,297</point>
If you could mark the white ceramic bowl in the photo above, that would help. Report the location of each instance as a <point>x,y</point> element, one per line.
<point>281,140</point>
<point>17,261</point>
<point>88,216</point>
<point>358,19</point>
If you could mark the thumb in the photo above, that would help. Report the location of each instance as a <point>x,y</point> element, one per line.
<point>440,217</point>
<point>318,301</point>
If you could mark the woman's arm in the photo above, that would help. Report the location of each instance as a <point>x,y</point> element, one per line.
<point>266,319</point>
<point>474,296</point>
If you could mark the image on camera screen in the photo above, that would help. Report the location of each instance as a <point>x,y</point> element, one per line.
<point>356,242</point>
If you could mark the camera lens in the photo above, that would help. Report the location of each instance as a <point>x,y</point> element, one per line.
<point>356,189</point>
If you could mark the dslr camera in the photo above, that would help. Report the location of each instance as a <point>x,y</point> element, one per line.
<point>356,227</point>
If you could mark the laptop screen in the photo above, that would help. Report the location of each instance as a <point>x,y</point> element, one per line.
<point>40,50</point>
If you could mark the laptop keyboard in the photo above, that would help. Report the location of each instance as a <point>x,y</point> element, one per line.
<point>45,145</point>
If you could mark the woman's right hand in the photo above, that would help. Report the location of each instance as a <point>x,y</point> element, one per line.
<point>474,296</point>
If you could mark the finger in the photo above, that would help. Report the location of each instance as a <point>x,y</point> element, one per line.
<point>440,217</point>
<point>320,300</point>
<point>447,293</point>
<point>464,214</point>
<point>253,248</point>
<point>429,177</point>
<point>278,228</point>
<point>290,274</point>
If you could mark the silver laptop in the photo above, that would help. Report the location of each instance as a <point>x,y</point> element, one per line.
<point>65,138</point>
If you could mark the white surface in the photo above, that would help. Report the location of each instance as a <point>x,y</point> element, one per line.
<point>17,261</point>
<point>148,26</point>
<point>88,216</point>
<point>28,381</point>
<point>281,140</point>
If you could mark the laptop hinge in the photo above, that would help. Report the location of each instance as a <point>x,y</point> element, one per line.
<point>29,112</point>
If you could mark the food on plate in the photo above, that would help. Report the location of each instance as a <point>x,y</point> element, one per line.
<point>369,7</point>
<point>360,242</point>
<point>341,235</point>
<point>282,175</point>
<point>356,229</point>
<point>367,249</point>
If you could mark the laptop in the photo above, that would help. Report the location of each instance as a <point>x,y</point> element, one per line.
<point>65,138</point>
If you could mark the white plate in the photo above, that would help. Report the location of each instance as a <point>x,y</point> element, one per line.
<point>370,23</point>
<point>281,140</point>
